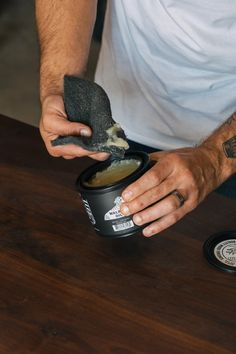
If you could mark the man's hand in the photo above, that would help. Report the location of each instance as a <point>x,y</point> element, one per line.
<point>191,172</point>
<point>54,122</point>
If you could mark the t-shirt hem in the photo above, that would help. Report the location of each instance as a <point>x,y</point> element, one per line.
<point>160,143</point>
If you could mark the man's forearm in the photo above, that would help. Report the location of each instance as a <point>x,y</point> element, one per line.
<point>220,146</point>
<point>65,31</point>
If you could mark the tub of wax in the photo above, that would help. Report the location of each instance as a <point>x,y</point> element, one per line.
<point>101,186</point>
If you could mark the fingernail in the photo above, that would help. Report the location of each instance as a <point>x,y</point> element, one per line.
<point>147,232</point>
<point>125,210</point>
<point>84,132</point>
<point>127,195</point>
<point>137,219</point>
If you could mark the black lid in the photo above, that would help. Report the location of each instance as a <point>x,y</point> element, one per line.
<point>220,250</point>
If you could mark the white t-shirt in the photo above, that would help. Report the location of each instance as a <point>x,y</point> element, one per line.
<point>169,68</point>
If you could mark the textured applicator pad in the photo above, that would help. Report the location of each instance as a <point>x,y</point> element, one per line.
<point>86,102</point>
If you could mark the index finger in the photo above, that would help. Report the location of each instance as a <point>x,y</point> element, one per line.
<point>153,177</point>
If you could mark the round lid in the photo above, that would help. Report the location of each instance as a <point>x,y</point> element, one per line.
<point>220,250</point>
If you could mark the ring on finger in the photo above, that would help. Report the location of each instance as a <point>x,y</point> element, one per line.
<point>179,196</point>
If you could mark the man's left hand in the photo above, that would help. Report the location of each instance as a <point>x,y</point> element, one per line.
<point>175,185</point>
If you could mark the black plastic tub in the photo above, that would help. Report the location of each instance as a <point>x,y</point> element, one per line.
<point>102,203</point>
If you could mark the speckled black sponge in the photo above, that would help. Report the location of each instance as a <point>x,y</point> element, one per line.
<point>86,102</point>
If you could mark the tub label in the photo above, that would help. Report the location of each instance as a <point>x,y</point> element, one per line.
<point>114,213</point>
<point>89,211</point>
<point>123,226</point>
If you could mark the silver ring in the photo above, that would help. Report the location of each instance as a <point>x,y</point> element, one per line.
<point>179,196</point>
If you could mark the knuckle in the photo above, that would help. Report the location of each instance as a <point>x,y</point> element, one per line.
<point>194,204</point>
<point>154,177</point>
<point>42,128</point>
<point>174,158</point>
<point>173,219</point>
<point>154,195</point>
<point>190,179</point>
<point>70,129</point>
<point>195,194</point>
<point>174,203</point>
<point>45,120</point>
<point>139,205</point>
<point>134,207</point>
<point>194,187</point>
<point>189,175</point>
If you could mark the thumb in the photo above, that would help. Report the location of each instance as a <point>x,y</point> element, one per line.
<point>62,126</point>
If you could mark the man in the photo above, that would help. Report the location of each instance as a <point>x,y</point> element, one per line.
<point>169,69</point>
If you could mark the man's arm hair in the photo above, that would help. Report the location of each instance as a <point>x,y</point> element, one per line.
<point>65,29</point>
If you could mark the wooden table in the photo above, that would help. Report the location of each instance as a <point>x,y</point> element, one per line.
<point>65,290</point>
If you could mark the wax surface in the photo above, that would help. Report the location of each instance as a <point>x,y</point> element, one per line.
<point>115,172</point>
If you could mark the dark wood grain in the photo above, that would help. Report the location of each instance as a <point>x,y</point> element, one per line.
<point>65,290</point>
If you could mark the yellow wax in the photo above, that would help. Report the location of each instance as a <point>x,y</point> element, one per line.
<point>113,173</point>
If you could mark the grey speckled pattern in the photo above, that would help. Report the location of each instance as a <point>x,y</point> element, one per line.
<point>88,103</point>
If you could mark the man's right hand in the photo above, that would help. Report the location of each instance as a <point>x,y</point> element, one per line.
<point>54,122</point>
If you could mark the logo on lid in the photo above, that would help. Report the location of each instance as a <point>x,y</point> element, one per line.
<point>225,252</point>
